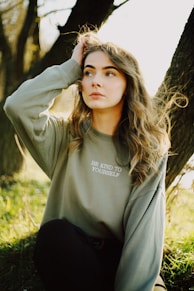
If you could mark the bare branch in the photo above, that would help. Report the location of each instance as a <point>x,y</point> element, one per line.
<point>4,45</point>
<point>30,18</point>
<point>53,11</point>
<point>11,7</point>
<point>121,4</point>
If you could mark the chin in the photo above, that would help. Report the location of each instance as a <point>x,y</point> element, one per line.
<point>95,106</point>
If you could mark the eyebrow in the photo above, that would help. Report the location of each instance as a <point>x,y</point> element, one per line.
<point>104,68</point>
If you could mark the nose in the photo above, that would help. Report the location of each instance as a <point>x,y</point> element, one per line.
<point>96,81</point>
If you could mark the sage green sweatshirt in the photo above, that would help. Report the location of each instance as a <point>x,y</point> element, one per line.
<point>89,186</point>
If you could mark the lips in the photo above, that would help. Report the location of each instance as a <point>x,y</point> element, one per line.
<point>95,94</point>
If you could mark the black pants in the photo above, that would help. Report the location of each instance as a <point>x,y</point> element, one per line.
<point>69,260</point>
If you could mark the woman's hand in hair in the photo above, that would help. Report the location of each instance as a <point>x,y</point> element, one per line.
<point>79,49</point>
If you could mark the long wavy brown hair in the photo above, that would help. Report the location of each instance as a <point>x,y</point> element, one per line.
<point>142,128</point>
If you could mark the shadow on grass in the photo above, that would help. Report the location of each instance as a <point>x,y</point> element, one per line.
<point>17,270</point>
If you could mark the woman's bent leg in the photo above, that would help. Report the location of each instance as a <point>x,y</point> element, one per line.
<point>66,261</point>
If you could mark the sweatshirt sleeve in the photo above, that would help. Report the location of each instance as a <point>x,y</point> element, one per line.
<point>144,234</point>
<point>28,110</point>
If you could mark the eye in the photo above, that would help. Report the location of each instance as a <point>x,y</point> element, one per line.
<point>87,73</point>
<point>110,74</point>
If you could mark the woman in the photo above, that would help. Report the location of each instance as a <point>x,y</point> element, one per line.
<point>103,225</point>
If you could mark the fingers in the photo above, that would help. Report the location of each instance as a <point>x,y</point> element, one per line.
<point>83,43</point>
<point>82,46</point>
<point>79,49</point>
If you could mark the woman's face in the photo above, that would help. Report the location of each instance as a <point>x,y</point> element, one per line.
<point>103,85</point>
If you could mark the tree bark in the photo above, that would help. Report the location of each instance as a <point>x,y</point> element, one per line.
<point>13,161</point>
<point>180,78</point>
<point>29,22</point>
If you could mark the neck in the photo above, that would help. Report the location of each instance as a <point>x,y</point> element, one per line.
<point>105,123</point>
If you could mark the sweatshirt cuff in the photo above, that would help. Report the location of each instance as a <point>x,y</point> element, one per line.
<point>73,69</point>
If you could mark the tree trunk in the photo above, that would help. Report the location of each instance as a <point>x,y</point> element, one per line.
<point>180,78</point>
<point>11,159</point>
<point>12,68</point>
<point>89,12</point>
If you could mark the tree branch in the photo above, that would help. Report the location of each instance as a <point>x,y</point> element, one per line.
<point>30,19</point>
<point>53,11</point>
<point>5,58</point>
<point>85,12</point>
<point>11,7</point>
<point>121,4</point>
<point>4,44</point>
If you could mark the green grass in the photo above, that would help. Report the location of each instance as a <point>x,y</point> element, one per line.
<point>22,203</point>
<point>21,207</point>
<point>178,262</point>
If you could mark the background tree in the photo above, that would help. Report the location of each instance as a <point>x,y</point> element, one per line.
<point>20,59</point>
<point>179,80</point>
<point>20,56</point>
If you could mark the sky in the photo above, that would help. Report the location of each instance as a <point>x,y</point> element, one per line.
<point>149,29</point>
